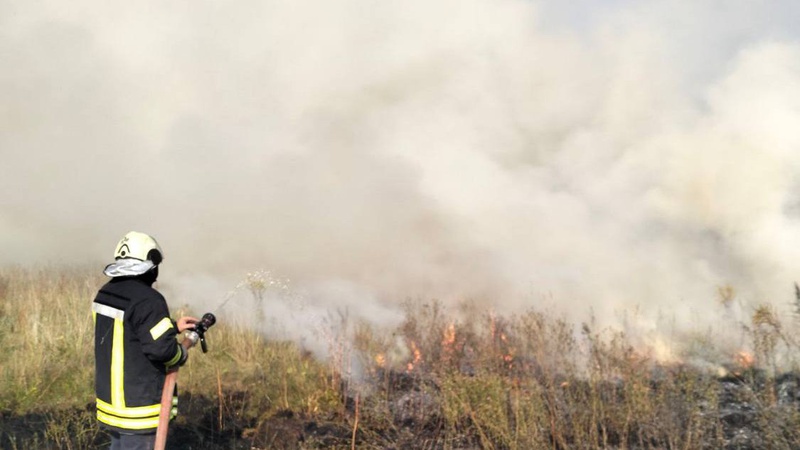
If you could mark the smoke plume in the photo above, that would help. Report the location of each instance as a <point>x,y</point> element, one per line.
<point>636,155</point>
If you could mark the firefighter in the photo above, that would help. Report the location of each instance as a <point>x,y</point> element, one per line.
<point>135,344</point>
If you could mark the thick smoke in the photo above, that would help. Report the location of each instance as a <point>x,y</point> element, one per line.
<point>506,151</point>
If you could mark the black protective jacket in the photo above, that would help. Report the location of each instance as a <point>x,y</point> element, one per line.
<point>134,346</point>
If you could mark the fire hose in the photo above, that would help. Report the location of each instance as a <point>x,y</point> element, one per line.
<point>190,339</point>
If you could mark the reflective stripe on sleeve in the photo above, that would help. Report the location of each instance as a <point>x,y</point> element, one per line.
<point>160,328</point>
<point>175,358</point>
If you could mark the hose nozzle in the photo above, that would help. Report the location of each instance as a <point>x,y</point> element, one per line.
<point>200,328</point>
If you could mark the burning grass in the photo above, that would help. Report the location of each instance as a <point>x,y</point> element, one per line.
<point>441,380</point>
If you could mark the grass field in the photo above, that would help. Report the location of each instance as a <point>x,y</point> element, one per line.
<point>443,379</point>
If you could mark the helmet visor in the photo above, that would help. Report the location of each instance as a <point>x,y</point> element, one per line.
<point>128,267</point>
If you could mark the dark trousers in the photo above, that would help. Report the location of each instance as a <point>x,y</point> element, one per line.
<point>121,441</point>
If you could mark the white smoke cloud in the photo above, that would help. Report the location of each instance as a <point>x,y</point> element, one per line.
<point>605,158</point>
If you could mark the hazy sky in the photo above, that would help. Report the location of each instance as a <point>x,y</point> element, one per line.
<point>634,154</point>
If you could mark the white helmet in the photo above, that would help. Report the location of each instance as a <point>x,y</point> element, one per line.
<point>135,254</point>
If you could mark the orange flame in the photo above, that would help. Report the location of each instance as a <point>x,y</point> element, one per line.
<point>417,357</point>
<point>449,337</point>
<point>745,359</point>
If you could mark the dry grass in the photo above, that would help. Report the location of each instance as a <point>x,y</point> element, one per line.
<point>46,337</point>
<point>443,379</point>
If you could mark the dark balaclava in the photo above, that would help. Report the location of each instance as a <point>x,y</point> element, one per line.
<point>150,276</point>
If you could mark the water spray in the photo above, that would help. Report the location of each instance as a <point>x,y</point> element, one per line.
<point>228,297</point>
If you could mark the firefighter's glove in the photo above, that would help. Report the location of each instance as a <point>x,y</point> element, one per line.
<point>186,323</point>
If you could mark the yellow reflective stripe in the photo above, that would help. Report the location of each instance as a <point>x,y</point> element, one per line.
<point>132,412</point>
<point>175,358</point>
<point>118,366</point>
<point>160,328</point>
<point>128,424</point>
<point>94,317</point>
